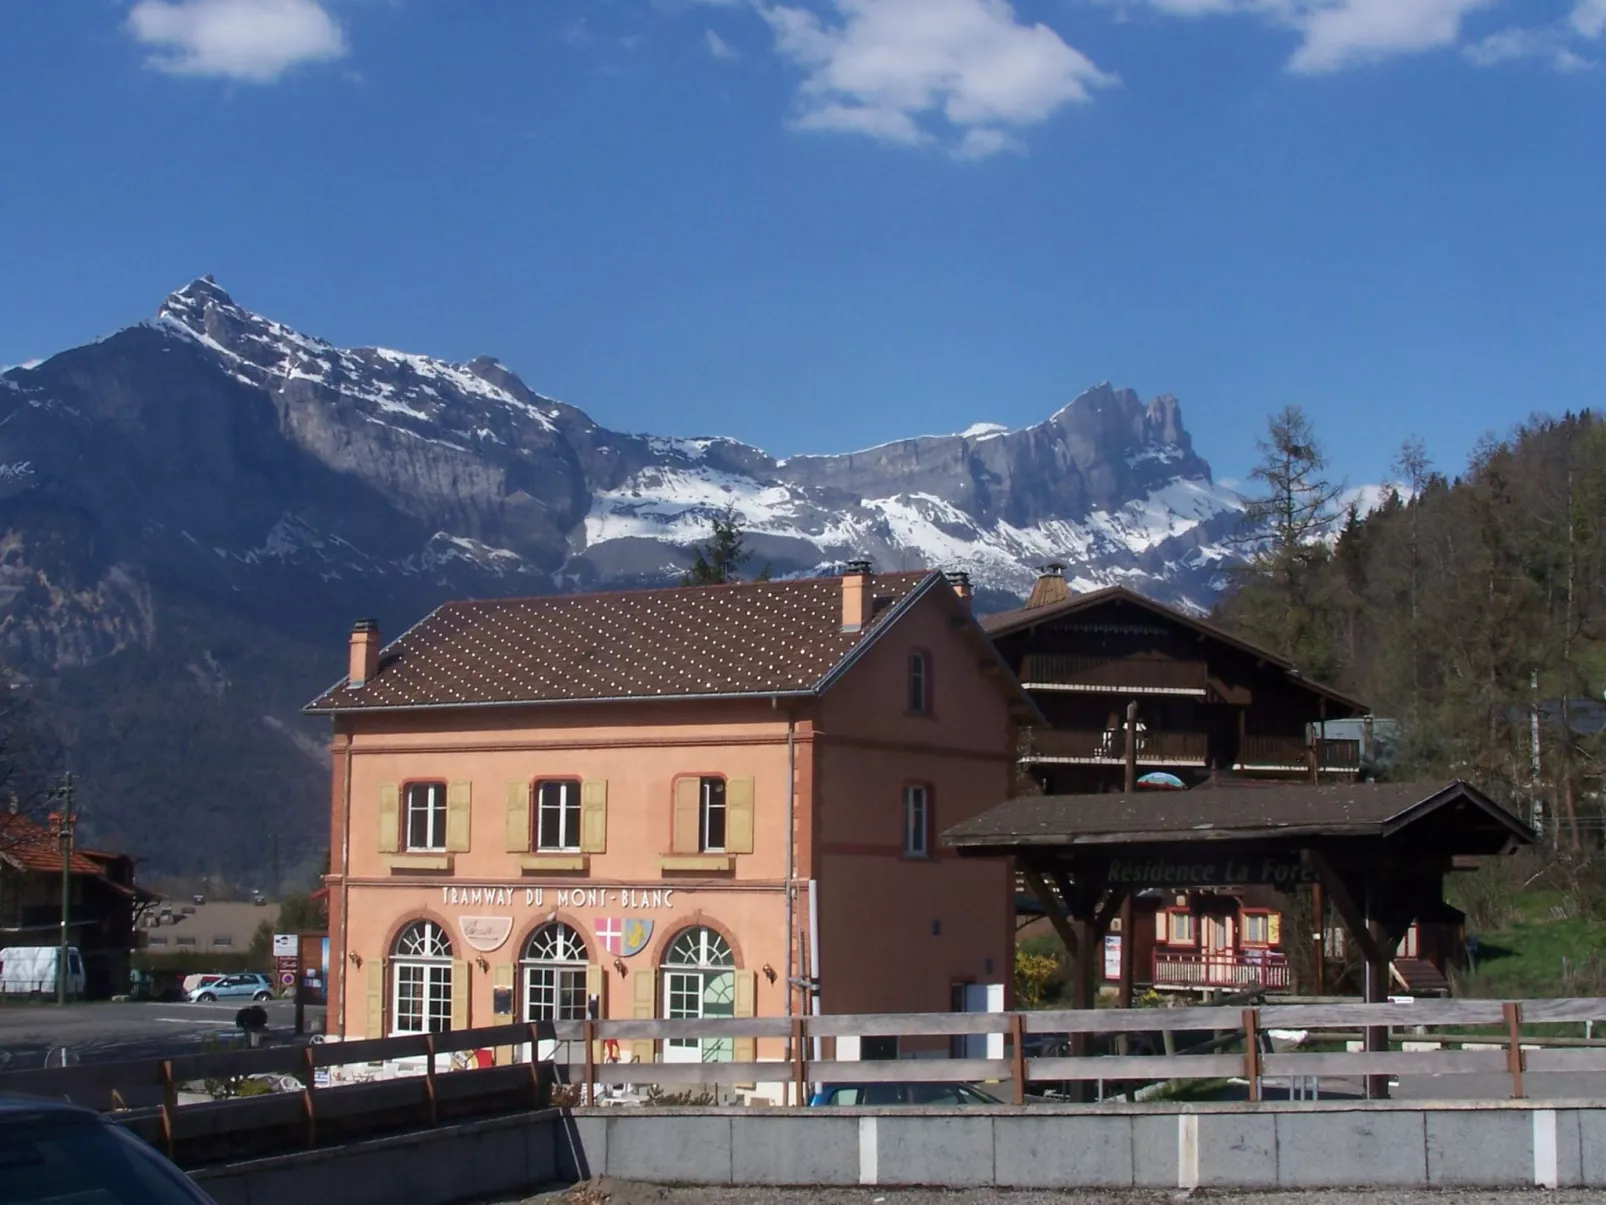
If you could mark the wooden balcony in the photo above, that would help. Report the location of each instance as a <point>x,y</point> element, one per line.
<point>1069,746</point>
<point>1115,675</point>
<point>1290,754</point>
<point>1267,969</point>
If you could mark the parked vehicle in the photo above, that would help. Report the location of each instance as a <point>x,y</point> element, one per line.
<point>848,1095</point>
<point>249,985</point>
<point>32,970</point>
<point>52,1152</point>
<point>194,983</point>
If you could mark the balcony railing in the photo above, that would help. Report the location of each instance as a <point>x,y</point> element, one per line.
<point>1287,753</point>
<point>1127,675</point>
<point>1071,746</point>
<point>1228,969</point>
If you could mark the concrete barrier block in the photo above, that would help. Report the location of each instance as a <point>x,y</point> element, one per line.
<point>1370,1149</point>
<point>582,1146</point>
<point>1484,1148</point>
<point>1086,1150</point>
<point>816,1149</point>
<point>1592,1147</point>
<point>1237,1150</point>
<point>951,1150</point>
<point>1154,1151</point>
<point>659,1146</point>
<point>541,1150</point>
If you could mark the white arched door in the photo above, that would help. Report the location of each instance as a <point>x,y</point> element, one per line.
<point>699,980</point>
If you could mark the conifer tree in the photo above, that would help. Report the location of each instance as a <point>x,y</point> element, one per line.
<point>720,560</point>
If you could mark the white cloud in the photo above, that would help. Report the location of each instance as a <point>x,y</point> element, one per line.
<point>1510,45</point>
<point>1589,18</point>
<point>959,72</point>
<point>253,40</point>
<point>718,46</point>
<point>1361,31</point>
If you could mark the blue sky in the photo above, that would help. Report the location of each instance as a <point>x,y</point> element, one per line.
<point>821,224</point>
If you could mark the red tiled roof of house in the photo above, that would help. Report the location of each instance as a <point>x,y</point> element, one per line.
<point>752,638</point>
<point>29,845</point>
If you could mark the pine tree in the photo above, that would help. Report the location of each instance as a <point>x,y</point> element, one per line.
<point>720,560</point>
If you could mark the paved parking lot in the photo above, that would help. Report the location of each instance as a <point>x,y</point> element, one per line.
<point>100,1031</point>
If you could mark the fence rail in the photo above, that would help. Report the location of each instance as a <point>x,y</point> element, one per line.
<point>146,1093</point>
<point>1108,747</point>
<point>1138,675</point>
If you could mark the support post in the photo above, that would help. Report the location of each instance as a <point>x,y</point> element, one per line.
<point>169,1106</point>
<point>1131,781</point>
<point>1252,1051</point>
<point>590,1093</point>
<point>1377,992</point>
<point>535,1066</point>
<point>1017,1037</point>
<point>1128,951</point>
<point>799,1069</point>
<point>1513,1014</point>
<point>308,1104</point>
<point>1318,907</point>
<point>429,1078</point>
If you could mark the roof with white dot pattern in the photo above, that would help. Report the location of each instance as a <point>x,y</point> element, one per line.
<point>751,638</point>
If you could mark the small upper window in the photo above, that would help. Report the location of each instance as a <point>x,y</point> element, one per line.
<point>1257,928</point>
<point>916,822</point>
<point>426,815</point>
<point>1180,925</point>
<point>919,684</point>
<point>711,829</point>
<point>558,823</point>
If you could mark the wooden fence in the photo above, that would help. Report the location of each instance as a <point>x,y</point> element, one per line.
<point>146,1093</point>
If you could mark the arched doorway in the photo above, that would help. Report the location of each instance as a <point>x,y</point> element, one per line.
<point>421,980</point>
<point>699,980</point>
<point>555,980</point>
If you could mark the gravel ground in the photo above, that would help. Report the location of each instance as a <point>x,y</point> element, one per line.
<point>618,1192</point>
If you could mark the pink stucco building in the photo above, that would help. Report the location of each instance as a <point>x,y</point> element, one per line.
<point>668,803</point>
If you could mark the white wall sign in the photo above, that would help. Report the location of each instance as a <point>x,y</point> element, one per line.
<point>285,945</point>
<point>485,933</point>
<point>560,897</point>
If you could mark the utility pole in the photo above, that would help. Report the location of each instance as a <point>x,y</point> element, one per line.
<point>66,820</point>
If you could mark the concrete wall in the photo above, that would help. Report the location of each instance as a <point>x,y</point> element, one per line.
<point>1317,1145</point>
<point>502,1156</point>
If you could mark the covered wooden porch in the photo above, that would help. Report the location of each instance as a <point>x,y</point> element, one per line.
<point>1378,851</point>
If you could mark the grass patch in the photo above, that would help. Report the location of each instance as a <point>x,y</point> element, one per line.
<point>1538,958</point>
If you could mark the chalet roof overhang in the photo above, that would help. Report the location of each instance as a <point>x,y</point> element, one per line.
<point>1452,819</point>
<point>1007,623</point>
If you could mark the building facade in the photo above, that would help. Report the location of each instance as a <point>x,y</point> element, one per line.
<point>705,801</point>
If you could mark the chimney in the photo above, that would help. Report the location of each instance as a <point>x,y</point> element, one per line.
<point>856,601</point>
<point>364,652</point>
<point>1050,587</point>
<point>960,581</point>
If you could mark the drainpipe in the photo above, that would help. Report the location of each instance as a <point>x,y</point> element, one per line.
<point>814,957</point>
<point>345,896</point>
<point>791,853</point>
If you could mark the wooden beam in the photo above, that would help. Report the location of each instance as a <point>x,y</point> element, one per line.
<point>1051,908</point>
<point>1344,904</point>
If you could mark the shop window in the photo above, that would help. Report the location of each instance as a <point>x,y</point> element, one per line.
<point>919,684</point>
<point>1181,929</point>
<point>422,980</point>
<point>426,816</point>
<point>555,975</point>
<point>711,821</point>
<point>558,816</point>
<point>917,821</point>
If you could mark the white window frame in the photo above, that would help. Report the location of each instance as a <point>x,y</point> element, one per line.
<point>1172,916</point>
<point>917,821</point>
<point>919,684</point>
<point>555,963</point>
<point>421,977</point>
<point>712,801</point>
<point>1252,918</point>
<point>567,808</point>
<point>428,798</point>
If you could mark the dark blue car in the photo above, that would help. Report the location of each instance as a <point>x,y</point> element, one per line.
<point>52,1152</point>
<point>870,1095</point>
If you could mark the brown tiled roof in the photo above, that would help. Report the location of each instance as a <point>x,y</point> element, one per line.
<point>1003,623</point>
<point>31,846</point>
<point>1205,814</point>
<point>764,638</point>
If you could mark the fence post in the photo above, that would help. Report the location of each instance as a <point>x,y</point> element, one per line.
<point>535,1064</point>
<point>590,1094</point>
<point>1513,1014</point>
<point>309,1074</point>
<point>169,1104</point>
<point>1017,1034</point>
<point>429,1078</point>
<point>799,1081</point>
<point>1252,1051</point>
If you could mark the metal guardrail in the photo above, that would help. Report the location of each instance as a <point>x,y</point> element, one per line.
<point>146,1092</point>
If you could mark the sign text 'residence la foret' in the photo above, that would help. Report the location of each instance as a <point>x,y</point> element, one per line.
<point>1210,872</point>
<point>562,897</point>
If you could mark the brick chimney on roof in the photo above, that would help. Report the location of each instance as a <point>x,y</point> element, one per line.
<point>1051,587</point>
<point>364,652</point>
<point>960,581</point>
<point>857,604</point>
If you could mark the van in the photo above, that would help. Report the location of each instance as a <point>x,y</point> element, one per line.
<point>31,970</point>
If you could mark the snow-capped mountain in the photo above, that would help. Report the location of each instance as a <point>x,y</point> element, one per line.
<point>213,480</point>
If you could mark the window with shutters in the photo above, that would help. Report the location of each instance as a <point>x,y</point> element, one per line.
<point>555,975</point>
<point>1257,928</point>
<point>557,826</point>
<point>917,821</point>
<point>919,683</point>
<point>711,825</point>
<point>422,980</point>
<point>426,816</point>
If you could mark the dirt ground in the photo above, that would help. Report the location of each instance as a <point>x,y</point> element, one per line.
<point>620,1192</point>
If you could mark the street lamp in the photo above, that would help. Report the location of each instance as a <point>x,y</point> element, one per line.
<point>64,820</point>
